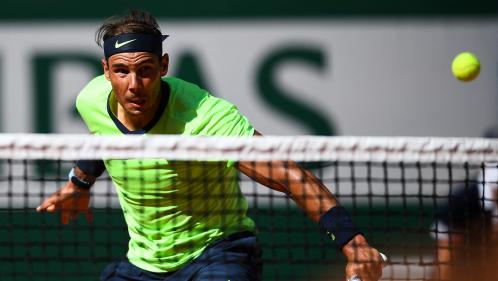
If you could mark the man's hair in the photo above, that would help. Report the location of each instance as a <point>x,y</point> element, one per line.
<point>134,21</point>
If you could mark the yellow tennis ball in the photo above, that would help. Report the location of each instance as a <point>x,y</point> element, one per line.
<point>466,66</point>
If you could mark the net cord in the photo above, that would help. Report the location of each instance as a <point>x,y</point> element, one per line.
<point>260,148</point>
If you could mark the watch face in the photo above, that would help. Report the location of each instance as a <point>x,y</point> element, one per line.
<point>71,174</point>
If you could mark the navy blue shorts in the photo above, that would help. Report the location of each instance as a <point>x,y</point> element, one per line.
<point>234,258</point>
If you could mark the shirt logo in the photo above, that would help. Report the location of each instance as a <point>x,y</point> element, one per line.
<point>119,45</point>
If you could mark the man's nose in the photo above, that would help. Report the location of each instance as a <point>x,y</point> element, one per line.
<point>134,81</point>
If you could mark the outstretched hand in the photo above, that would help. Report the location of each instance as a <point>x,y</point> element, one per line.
<point>71,201</point>
<point>363,262</point>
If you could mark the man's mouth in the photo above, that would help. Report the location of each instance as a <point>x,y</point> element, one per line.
<point>138,101</point>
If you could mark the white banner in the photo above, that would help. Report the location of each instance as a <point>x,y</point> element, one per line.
<point>357,77</point>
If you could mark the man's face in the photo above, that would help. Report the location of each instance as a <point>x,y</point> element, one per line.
<point>136,80</point>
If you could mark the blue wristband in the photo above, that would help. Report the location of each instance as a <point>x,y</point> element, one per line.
<point>337,224</point>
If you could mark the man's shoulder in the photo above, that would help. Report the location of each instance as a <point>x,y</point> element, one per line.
<point>185,95</point>
<point>188,91</point>
<point>178,85</point>
<point>97,84</point>
<point>93,96</point>
<point>95,89</point>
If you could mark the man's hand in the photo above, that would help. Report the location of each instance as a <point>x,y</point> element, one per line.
<point>71,201</point>
<point>364,262</point>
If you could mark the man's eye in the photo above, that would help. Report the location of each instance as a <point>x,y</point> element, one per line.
<point>121,71</point>
<point>146,69</point>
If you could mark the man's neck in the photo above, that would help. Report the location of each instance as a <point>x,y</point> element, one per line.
<point>132,122</point>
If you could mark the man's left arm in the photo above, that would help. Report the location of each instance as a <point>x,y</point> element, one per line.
<point>321,206</point>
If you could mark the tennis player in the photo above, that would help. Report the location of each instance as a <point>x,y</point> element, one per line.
<point>184,222</point>
<point>467,230</point>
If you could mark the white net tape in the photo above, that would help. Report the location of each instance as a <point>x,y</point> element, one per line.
<point>298,148</point>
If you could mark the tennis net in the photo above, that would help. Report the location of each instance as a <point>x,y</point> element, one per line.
<point>403,193</point>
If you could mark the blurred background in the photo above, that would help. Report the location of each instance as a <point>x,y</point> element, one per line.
<point>316,67</point>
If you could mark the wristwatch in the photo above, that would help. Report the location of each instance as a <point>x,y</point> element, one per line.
<point>77,181</point>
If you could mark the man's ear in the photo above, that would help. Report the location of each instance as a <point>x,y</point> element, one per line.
<point>164,64</point>
<point>105,66</point>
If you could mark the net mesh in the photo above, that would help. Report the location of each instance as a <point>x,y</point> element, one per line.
<point>425,202</point>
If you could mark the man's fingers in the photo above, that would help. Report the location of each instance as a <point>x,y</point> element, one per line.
<point>89,216</point>
<point>51,208</point>
<point>65,217</point>
<point>367,270</point>
<point>47,203</point>
<point>69,215</point>
<point>69,203</point>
